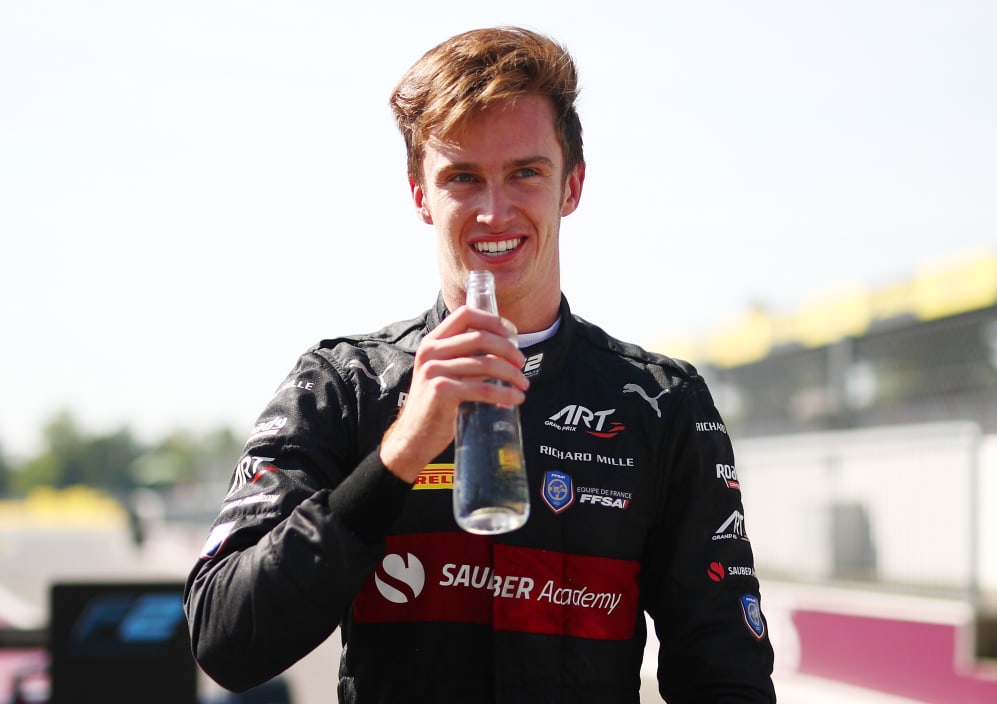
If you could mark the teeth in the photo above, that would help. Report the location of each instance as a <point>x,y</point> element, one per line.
<point>496,247</point>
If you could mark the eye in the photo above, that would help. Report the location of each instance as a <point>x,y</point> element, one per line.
<point>462,178</point>
<point>526,172</point>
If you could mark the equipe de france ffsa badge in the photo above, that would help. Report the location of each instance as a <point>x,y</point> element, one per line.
<point>753,615</point>
<point>558,491</point>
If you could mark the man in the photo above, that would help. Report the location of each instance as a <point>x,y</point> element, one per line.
<point>340,512</point>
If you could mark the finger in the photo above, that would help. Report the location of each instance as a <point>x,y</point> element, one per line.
<point>482,342</point>
<point>470,343</point>
<point>467,318</point>
<point>513,332</point>
<point>496,394</point>
<point>476,369</point>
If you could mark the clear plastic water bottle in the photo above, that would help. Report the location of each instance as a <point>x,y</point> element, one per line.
<point>491,494</point>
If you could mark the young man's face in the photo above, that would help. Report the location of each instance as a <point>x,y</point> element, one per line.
<point>496,197</point>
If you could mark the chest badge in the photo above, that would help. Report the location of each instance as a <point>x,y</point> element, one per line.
<point>558,491</point>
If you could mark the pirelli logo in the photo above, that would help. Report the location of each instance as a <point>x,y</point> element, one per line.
<point>435,476</point>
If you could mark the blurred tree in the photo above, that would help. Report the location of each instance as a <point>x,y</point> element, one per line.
<point>70,458</point>
<point>184,458</point>
<point>221,452</point>
<point>170,461</point>
<point>117,463</point>
<point>4,473</point>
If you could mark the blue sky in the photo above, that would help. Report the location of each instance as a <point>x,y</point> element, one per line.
<point>191,193</point>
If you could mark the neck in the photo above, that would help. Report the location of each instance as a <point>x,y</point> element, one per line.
<point>531,316</point>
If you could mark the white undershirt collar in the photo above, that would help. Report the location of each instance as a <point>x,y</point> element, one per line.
<point>529,339</point>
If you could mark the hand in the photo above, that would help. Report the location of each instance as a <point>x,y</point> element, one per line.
<point>453,364</point>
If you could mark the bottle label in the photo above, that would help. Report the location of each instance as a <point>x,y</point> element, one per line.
<point>509,458</point>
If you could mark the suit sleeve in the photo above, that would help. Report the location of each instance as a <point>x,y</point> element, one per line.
<point>300,530</point>
<point>699,581</point>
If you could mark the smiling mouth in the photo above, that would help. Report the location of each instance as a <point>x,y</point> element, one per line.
<point>497,248</point>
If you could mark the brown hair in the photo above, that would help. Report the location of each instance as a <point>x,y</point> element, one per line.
<point>473,70</point>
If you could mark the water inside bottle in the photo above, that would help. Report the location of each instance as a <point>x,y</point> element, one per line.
<point>491,494</point>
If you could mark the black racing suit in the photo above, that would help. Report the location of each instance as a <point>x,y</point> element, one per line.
<point>635,507</point>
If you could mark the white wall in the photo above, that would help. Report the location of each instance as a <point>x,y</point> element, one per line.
<point>915,484</point>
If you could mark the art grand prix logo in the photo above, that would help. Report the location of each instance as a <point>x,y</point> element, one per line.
<point>250,470</point>
<point>573,416</point>
<point>732,528</point>
<point>400,579</point>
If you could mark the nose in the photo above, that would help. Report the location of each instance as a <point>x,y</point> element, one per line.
<point>495,208</point>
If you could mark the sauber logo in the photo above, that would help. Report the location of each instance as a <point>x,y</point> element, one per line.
<point>469,578</point>
<point>741,571</point>
<point>573,416</point>
<point>717,572</point>
<point>400,579</point>
<point>401,582</point>
<point>482,577</point>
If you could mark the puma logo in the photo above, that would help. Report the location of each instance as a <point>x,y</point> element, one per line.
<point>653,402</point>
<point>357,364</point>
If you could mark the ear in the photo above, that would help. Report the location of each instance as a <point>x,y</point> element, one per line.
<point>419,199</point>
<point>573,189</point>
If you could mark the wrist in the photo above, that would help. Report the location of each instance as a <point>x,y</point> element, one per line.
<point>369,499</point>
<point>400,457</point>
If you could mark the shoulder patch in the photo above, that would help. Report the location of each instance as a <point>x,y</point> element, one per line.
<point>219,534</point>
<point>752,611</point>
